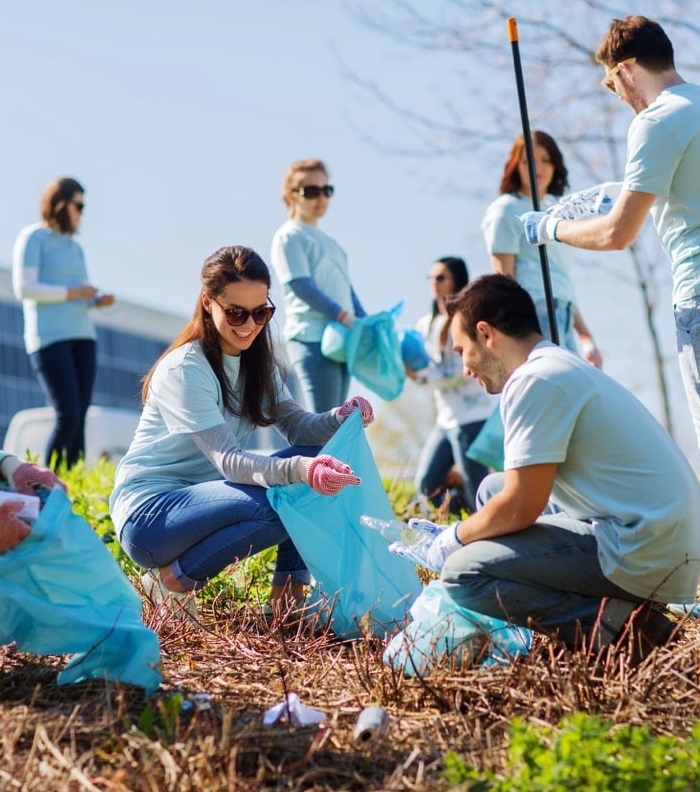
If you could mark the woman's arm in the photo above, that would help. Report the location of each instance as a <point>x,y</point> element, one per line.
<point>26,261</point>
<point>300,427</point>
<point>305,289</point>
<point>590,351</point>
<point>503,264</point>
<point>222,449</point>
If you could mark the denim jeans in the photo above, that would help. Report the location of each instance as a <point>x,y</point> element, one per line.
<point>564,313</point>
<point>323,383</point>
<point>687,316</point>
<point>66,373</point>
<point>545,576</point>
<point>203,528</point>
<point>442,449</point>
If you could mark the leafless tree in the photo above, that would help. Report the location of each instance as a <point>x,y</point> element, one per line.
<point>557,45</point>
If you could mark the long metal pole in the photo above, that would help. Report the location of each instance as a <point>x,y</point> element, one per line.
<point>534,190</point>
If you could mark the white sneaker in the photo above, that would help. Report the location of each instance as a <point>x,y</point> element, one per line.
<point>182,604</point>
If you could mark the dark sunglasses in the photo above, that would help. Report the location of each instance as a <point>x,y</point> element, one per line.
<point>79,205</point>
<point>237,316</point>
<point>438,278</point>
<point>312,191</point>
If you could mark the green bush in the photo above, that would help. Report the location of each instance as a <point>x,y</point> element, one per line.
<point>587,754</point>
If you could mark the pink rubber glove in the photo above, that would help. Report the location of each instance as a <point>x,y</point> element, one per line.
<point>357,403</point>
<point>12,529</point>
<point>328,475</point>
<point>29,477</point>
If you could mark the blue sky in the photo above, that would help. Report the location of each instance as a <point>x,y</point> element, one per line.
<point>180,119</point>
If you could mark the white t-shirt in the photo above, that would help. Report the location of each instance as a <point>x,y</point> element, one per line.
<point>663,158</point>
<point>504,233</point>
<point>617,468</point>
<point>301,250</point>
<point>184,398</point>
<point>459,400</point>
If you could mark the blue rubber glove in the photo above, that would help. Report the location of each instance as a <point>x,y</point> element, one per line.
<point>432,552</point>
<point>540,227</point>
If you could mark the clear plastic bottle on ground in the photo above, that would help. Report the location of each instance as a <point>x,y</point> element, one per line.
<point>398,531</point>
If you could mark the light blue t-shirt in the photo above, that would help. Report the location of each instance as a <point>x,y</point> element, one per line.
<point>618,469</point>
<point>57,260</point>
<point>184,397</point>
<point>663,158</point>
<point>504,233</point>
<point>301,250</point>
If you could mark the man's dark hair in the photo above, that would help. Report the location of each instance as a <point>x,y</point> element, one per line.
<point>499,300</point>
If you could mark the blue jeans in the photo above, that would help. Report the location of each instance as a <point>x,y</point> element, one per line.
<point>323,383</point>
<point>442,449</point>
<point>564,313</point>
<point>546,576</point>
<point>687,316</point>
<point>66,373</point>
<point>203,528</point>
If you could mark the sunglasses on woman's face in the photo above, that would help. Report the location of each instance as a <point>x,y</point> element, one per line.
<point>237,316</point>
<point>312,191</point>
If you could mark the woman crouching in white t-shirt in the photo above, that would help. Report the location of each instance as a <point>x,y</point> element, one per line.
<point>188,500</point>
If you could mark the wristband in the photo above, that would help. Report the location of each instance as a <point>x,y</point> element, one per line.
<point>553,222</point>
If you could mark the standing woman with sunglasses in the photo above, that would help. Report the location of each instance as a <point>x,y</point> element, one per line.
<point>511,254</point>
<point>188,500</point>
<point>50,278</point>
<point>313,270</point>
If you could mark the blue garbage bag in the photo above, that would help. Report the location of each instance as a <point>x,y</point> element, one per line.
<point>63,592</point>
<point>440,629</point>
<point>487,446</point>
<point>354,571</point>
<point>374,354</point>
<point>413,350</point>
<point>334,342</point>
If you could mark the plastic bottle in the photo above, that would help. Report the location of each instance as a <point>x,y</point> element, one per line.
<point>372,725</point>
<point>397,531</point>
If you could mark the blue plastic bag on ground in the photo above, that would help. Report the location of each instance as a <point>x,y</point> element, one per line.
<point>487,446</point>
<point>353,568</point>
<point>374,355</point>
<point>441,629</point>
<point>62,591</point>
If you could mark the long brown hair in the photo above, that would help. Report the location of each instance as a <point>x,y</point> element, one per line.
<point>511,181</point>
<point>258,402</point>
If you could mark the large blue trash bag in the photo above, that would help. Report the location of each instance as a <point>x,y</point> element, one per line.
<point>352,565</point>
<point>374,355</point>
<point>62,591</point>
<point>441,629</point>
<point>487,446</point>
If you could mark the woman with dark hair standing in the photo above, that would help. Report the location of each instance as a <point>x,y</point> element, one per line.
<point>313,270</point>
<point>511,254</point>
<point>188,500</point>
<point>461,404</point>
<point>50,278</point>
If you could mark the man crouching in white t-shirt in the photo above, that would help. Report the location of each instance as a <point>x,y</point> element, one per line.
<point>595,524</point>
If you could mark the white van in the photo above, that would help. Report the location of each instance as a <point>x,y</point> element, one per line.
<point>108,432</point>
